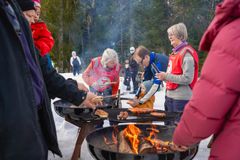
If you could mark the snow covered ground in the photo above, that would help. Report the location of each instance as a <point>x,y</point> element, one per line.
<point>67,133</point>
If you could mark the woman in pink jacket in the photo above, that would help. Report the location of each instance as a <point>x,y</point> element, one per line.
<point>214,108</point>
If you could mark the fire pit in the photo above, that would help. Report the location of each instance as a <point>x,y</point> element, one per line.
<point>85,119</point>
<point>111,144</point>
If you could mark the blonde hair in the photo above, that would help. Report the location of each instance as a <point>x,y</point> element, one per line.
<point>109,55</point>
<point>74,53</point>
<point>179,31</point>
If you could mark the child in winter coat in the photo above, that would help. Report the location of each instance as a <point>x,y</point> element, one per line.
<point>42,37</point>
<point>144,88</point>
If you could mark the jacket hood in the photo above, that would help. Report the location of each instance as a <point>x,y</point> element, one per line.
<point>225,12</point>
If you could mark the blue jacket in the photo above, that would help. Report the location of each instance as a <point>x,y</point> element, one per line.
<point>160,61</point>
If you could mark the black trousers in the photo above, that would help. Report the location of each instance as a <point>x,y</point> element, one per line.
<point>135,82</point>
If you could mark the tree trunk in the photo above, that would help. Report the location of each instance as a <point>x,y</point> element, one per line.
<point>61,37</point>
<point>131,28</point>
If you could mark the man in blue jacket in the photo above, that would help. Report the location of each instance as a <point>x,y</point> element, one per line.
<point>153,63</point>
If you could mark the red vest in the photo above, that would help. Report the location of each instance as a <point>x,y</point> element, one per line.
<point>175,66</point>
<point>101,75</point>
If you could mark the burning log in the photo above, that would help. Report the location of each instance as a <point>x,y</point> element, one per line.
<point>159,145</point>
<point>123,146</point>
<point>132,140</point>
<point>146,147</point>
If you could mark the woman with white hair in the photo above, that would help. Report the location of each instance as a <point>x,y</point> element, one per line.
<point>182,72</point>
<point>102,74</point>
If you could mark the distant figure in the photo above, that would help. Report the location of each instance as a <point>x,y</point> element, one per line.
<point>127,75</point>
<point>144,89</point>
<point>75,63</point>
<point>182,72</point>
<point>134,67</point>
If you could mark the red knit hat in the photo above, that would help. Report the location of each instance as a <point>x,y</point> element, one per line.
<point>37,3</point>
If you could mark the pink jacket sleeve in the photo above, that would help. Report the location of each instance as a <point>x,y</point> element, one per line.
<point>213,96</point>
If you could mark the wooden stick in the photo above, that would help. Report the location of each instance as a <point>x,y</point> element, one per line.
<point>107,83</point>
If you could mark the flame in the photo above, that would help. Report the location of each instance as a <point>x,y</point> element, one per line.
<point>131,132</point>
<point>157,143</point>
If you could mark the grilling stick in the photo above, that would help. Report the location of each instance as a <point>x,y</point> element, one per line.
<point>107,83</point>
<point>114,96</point>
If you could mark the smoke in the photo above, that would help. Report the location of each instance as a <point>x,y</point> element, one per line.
<point>112,24</point>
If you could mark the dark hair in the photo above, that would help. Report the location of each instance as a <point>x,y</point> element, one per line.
<point>26,5</point>
<point>142,51</point>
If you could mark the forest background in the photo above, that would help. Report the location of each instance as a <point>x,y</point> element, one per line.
<point>90,26</point>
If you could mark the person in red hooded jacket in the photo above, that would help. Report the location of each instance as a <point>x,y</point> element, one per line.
<point>42,37</point>
<point>214,108</point>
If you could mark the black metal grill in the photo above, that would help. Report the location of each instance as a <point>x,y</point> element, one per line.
<point>63,109</point>
<point>85,119</point>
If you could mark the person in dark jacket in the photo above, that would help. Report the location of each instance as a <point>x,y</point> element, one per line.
<point>27,129</point>
<point>134,67</point>
<point>153,63</point>
<point>127,75</point>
